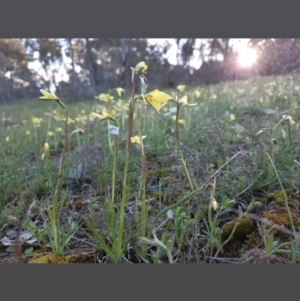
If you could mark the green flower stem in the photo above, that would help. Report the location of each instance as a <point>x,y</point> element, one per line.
<point>289,133</point>
<point>108,136</point>
<point>62,159</point>
<point>212,193</point>
<point>113,180</point>
<point>124,186</point>
<point>179,148</point>
<point>115,153</point>
<point>277,124</point>
<point>144,174</point>
<point>52,212</point>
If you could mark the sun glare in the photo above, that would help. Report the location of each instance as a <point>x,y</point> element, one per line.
<point>247,58</point>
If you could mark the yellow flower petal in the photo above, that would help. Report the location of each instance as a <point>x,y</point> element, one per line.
<point>105,97</point>
<point>37,120</point>
<point>197,93</point>
<point>181,88</point>
<point>46,146</point>
<point>119,91</point>
<point>137,140</point>
<point>141,67</point>
<point>104,115</point>
<point>289,119</point>
<point>157,99</point>
<point>214,204</point>
<point>70,120</point>
<point>47,95</point>
<point>180,121</point>
<point>183,100</point>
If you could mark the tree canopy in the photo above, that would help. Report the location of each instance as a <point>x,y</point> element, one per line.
<point>85,67</point>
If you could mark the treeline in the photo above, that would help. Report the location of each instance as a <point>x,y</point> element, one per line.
<point>82,68</point>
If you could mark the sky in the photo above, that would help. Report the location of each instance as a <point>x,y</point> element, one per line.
<point>240,45</point>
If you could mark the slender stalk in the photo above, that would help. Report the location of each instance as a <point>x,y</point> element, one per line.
<point>124,186</point>
<point>179,148</point>
<point>211,226</point>
<point>144,174</point>
<point>108,135</point>
<point>52,212</point>
<point>113,185</point>
<point>212,193</point>
<point>62,159</point>
<point>113,181</point>
<point>289,132</point>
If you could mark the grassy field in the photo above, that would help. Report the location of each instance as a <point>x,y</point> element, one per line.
<point>219,184</point>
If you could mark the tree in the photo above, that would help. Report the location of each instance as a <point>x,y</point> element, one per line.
<point>277,56</point>
<point>15,77</point>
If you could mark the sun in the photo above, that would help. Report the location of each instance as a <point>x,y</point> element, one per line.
<point>247,58</point>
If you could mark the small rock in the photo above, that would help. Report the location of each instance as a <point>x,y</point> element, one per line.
<point>268,111</point>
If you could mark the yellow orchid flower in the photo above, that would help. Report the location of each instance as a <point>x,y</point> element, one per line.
<point>105,97</point>
<point>180,121</point>
<point>70,120</point>
<point>197,93</point>
<point>48,96</point>
<point>289,119</point>
<point>77,131</point>
<point>183,102</point>
<point>104,115</point>
<point>51,96</point>
<point>141,67</point>
<point>181,88</point>
<point>119,91</point>
<point>46,146</point>
<point>214,204</point>
<point>157,99</point>
<point>137,140</point>
<point>232,117</point>
<point>37,120</point>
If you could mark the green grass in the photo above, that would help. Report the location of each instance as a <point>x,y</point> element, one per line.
<point>219,143</point>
